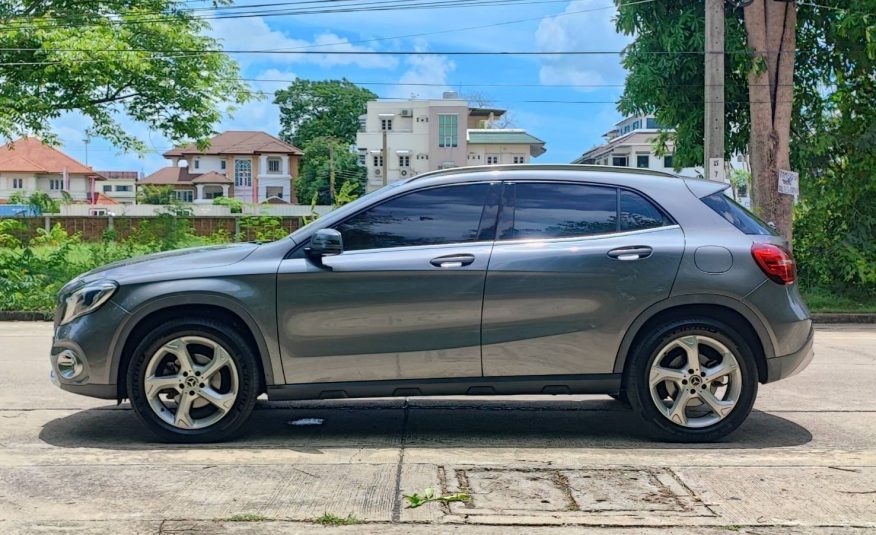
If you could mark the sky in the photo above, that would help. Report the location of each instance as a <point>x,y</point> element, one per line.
<point>511,82</point>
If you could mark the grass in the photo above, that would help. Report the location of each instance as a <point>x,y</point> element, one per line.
<point>824,300</point>
<point>328,519</point>
<point>246,517</point>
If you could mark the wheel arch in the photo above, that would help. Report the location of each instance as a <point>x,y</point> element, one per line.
<point>161,310</point>
<point>727,309</point>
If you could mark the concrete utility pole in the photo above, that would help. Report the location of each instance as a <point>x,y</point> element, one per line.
<point>331,172</point>
<point>385,157</point>
<point>714,123</point>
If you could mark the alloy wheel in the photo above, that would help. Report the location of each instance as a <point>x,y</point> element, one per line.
<point>695,381</point>
<point>191,382</point>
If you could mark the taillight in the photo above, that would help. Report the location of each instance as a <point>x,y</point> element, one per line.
<point>777,262</point>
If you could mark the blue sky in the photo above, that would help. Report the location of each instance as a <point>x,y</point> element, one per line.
<point>568,129</point>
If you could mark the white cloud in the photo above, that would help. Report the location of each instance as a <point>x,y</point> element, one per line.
<point>425,69</point>
<point>593,30</point>
<point>257,35</point>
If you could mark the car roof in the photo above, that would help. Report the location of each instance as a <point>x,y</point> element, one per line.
<point>573,168</point>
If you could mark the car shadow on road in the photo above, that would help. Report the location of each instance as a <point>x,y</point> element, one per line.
<point>422,422</point>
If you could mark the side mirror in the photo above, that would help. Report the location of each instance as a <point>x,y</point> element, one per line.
<point>326,242</point>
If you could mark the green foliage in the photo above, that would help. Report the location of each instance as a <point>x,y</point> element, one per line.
<point>10,232</point>
<point>826,300</point>
<point>151,194</point>
<point>740,181</point>
<point>315,177</point>
<point>101,59</point>
<point>246,517</point>
<point>416,500</point>
<point>235,205</point>
<point>329,108</point>
<point>55,236</point>
<point>264,228</point>
<point>38,201</point>
<point>328,519</point>
<point>169,229</point>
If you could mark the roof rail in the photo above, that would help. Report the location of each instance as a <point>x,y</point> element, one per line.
<point>546,167</point>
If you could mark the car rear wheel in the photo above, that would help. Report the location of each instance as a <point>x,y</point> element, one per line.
<point>692,380</point>
<point>193,380</point>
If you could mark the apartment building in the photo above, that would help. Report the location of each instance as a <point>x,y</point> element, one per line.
<point>248,165</point>
<point>120,186</point>
<point>28,165</point>
<point>400,139</point>
<point>630,144</point>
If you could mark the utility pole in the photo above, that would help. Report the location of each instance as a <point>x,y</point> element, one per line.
<point>331,172</point>
<point>714,79</point>
<point>86,141</point>
<point>385,157</point>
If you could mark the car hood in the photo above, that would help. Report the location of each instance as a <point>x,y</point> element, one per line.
<point>195,258</point>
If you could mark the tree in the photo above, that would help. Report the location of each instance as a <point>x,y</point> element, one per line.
<point>151,194</point>
<point>149,60</point>
<point>313,109</point>
<point>320,154</point>
<point>38,201</point>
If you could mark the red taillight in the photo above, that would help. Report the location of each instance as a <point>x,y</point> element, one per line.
<point>777,262</point>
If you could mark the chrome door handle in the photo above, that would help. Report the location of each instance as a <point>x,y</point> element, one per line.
<point>630,253</point>
<point>452,260</point>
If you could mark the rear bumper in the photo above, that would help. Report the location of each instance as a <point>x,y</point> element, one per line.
<point>792,364</point>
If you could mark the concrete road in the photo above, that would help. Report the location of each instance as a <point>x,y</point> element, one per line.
<point>804,462</point>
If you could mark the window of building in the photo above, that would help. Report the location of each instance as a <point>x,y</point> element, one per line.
<point>378,160</point>
<point>362,159</point>
<point>519,159</point>
<point>212,192</point>
<point>222,164</point>
<point>619,161</point>
<point>561,211</point>
<point>667,162</point>
<point>243,173</point>
<point>434,216</point>
<point>642,160</point>
<point>107,189</point>
<point>652,123</point>
<point>184,195</point>
<point>274,165</point>
<point>386,125</point>
<point>274,191</point>
<point>124,188</point>
<point>404,161</point>
<point>56,184</point>
<point>17,183</point>
<point>492,159</point>
<point>638,213</point>
<point>448,130</point>
<point>197,163</point>
<point>637,124</point>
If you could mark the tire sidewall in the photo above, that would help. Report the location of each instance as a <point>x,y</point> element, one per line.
<point>639,393</point>
<point>247,376</point>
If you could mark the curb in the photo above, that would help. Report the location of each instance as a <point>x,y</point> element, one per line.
<point>16,315</point>
<point>844,317</point>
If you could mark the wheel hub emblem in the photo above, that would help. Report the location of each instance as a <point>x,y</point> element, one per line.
<point>191,381</point>
<point>695,380</point>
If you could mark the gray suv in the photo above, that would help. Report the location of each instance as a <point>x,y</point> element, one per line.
<point>657,290</point>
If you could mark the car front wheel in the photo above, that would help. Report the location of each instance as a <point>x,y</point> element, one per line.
<point>692,380</point>
<point>193,380</point>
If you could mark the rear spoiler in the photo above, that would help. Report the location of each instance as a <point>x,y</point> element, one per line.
<point>703,188</point>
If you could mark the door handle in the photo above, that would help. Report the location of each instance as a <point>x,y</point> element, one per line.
<point>636,252</point>
<point>452,260</point>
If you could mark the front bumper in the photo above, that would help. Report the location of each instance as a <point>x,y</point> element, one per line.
<point>792,364</point>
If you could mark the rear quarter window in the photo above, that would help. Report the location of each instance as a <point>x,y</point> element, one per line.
<point>737,215</point>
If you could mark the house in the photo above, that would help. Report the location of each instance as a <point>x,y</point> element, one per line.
<point>120,186</point>
<point>397,139</point>
<point>248,165</point>
<point>630,144</point>
<point>28,165</point>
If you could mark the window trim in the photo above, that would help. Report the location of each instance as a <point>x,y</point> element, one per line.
<point>509,202</point>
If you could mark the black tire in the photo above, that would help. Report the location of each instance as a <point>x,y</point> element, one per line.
<point>646,351</point>
<point>242,355</point>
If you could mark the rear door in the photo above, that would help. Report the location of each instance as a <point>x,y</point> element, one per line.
<point>572,267</point>
<point>404,299</point>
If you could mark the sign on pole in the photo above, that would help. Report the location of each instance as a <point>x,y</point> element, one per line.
<point>716,170</point>
<point>789,183</point>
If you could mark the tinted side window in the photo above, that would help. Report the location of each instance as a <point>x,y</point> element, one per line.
<point>737,215</point>
<point>448,214</point>
<point>562,211</point>
<point>637,213</point>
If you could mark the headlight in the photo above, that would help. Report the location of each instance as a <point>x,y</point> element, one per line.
<point>87,299</point>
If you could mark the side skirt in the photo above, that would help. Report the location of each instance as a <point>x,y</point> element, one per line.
<point>606,383</point>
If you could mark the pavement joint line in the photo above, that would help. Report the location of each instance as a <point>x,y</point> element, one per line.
<point>600,466</point>
<point>454,408</point>
<point>396,498</point>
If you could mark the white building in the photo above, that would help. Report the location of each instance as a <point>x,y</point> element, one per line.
<point>27,165</point>
<point>120,186</point>
<point>399,139</point>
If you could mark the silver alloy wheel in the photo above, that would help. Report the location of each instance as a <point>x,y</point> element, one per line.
<point>191,382</point>
<point>695,381</point>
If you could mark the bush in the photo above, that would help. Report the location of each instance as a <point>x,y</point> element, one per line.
<point>235,205</point>
<point>264,228</point>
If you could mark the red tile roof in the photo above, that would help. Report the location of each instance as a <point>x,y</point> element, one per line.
<point>31,155</point>
<point>181,175</point>
<point>238,142</point>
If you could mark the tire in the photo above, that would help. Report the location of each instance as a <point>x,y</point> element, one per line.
<point>671,410</point>
<point>219,390</point>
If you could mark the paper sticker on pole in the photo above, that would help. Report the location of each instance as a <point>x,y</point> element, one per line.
<point>789,183</point>
<point>716,170</point>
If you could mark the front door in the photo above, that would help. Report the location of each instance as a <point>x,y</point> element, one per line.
<point>404,299</point>
<point>573,266</point>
